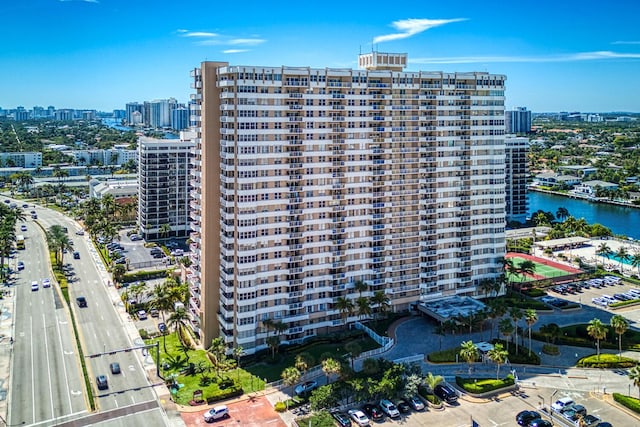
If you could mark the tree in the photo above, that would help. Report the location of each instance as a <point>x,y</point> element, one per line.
<point>635,261</point>
<point>164,230</point>
<point>499,356</point>
<point>364,307</point>
<point>383,302</point>
<point>469,352</point>
<point>238,352</point>
<point>290,377</point>
<point>273,342</point>
<point>303,362</point>
<point>360,286</point>
<point>497,309</point>
<point>526,268</point>
<point>597,331</point>
<point>603,250</point>
<point>620,326</point>
<point>623,255</point>
<point>218,352</point>
<point>354,349</point>
<point>516,314</point>
<point>58,241</point>
<point>162,301</point>
<point>531,317</point>
<point>431,381</point>
<point>345,306</point>
<point>506,328</point>
<point>178,321</point>
<point>330,366</point>
<point>551,331</point>
<point>562,213</point>
<point>634,375</point>
<point>322,398</point>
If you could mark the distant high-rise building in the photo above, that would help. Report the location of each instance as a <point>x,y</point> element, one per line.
<point>131,108</point>
<point>119,114</point>
<point>38,112</point>
<point>51,111</point>
<point>180,118</point>
<point>310,181</point>
<point>21,115</point>
<point>64,115</point>
<point>89,115</point>
<point>516,174</point>
<point>518,120</point>
<point>163,173</point>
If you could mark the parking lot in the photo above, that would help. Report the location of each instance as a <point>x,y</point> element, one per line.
<point>595,293</point>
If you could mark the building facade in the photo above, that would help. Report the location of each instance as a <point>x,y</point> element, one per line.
<point>310,183</point>
<point>21,159</point>
<point>518,120</point>
<point>163,170</point>
<point>516,174</point>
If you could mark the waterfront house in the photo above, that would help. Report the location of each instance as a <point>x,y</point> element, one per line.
<point>578,170</point>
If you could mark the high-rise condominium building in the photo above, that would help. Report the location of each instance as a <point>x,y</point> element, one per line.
<point>518,120</point>
<point>163,173</point>
<point>311,182</point>
<point>516,174</point>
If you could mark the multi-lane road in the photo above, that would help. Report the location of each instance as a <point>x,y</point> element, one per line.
<point>48,385</point>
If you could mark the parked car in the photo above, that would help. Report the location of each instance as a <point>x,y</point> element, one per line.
<point>20,265</point>
<point>76,255</point>
<point>561,403</point>
<point>305,387</point>
<point>524,418</point>
<point>342,419</point>
<point>80,232</point>
<point>216,413</point>
<point>416,403</point>
<point>154,313</point>
<point>115,368</point>
<point>403,406</point>
<point>46,283</point>
<point>373,412</point>
<point>82,301</point>
<point>572,412</point>
<point>446,393</point>
<point>177,252</point>
<point>590,420</point>
<point>540,423</point>
<point>389,408</point>
<point>359,417</point>
<point>162,327</point>
<point>142,315</point>
<point>135,237</point>
<point>102,383</point>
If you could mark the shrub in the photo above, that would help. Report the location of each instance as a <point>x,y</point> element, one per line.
<point>217,395</point>
<point>484,385</point>
<point>444,356</point>
<point>607,361</point>
<point>143,334</point>
<point>280,407</point>
<point>550,349</point>
<point>628,401</point>
<point>534,292</point>
<point>624,303</point>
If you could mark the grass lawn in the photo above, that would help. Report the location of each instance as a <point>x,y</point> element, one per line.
<point>177,361</point>
<point>271,371</point>
<point>607,360</point>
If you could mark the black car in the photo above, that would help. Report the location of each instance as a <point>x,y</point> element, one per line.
<point>540,423</point>
<point>342,419</point>
<point>403,406</point>
<point>115,368</point>
<point>162,327</point>
<point>373,412</point>
<point>524,418</point>
<point>76,255</point>
<point>101,381</point>
<point>82,301</point>
<point>446,393</point>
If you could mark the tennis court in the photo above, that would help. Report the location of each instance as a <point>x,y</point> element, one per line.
<point>544,268</point>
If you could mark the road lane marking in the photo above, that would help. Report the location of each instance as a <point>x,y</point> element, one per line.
<point>46,352</point>
<point>33,379</point>
<point>64,366</point>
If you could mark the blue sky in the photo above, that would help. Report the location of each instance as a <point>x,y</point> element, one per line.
<point>100,54</point>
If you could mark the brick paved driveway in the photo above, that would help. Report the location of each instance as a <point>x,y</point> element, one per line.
<point>245,413</point>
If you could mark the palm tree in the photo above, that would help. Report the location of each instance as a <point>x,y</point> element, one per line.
<point>597,331</point>
<point>506,328</point>
<point>499,356</point>
<point>360,286</point>
<point>218,352</point>
<point>383,302</point>
<point>562,213</point>
<point>364,306</point>
<point>162,300</point>
<point>526,268</point>
<point>330,366</point>
<point>634,375</point>
<point>620,326</point>
<point>623,255</point>
<point>290,377</point>
<point>164,230</point>
<point>303,362</point>
<point>635,261</point>
<point>531,317</point>
<point>354,349</point>
<point>345,306</point>
<point>238,352</point>
<point>178,321</point>
<point>469,352</point>
<point>516,314</point>
<point>603,249</point>
<point>497,309</point>
<point>58,242</point>
<point>273,342</point>
<point>431,381</point>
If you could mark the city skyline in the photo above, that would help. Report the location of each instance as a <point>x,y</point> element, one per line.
<point>101,54</point>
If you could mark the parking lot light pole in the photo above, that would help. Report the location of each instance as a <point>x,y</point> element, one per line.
<point>550,399</point>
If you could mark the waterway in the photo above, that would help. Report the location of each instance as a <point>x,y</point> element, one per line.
<point>619,219</point>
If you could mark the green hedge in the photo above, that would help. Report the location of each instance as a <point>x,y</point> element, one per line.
<point>628,401</point>
<point>144,275</point>
<point>624,303</point>
<point>431,398</point>
<point>550,349</point>
<point>534,292</point>
<point>606,361</point>
<point>227,393</point>
<point>484,385</point>
<point>444,356</point>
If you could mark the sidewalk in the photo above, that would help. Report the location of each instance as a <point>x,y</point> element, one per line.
<point>7,307</point>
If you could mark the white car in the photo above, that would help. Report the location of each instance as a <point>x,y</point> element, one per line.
<point>561,403</point>
<point>80,232</point>
<point>359,417</point>
<point>34,286</point>
<point>23,227</point>
<point>216,413</point>
<point>142,315</point>
<point>46,283</point>
<point>389,408</point>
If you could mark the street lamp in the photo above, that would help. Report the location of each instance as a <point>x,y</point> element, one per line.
<point>550,399</point>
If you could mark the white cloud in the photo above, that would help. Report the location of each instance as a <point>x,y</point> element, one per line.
<point>186,33</point>
<point>206,38</point>
<point>411,27</point>
<point>235,50</point>
<point>247,42</point>
<point>580,56</point>
<point>625,42</point>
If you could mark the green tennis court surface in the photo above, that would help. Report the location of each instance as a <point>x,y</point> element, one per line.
<point>541,271</point>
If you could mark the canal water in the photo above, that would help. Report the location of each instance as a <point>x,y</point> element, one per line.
<point>620,219</point>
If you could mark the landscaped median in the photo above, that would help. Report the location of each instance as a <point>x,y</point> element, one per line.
<point>628,402</point>
<point>606,361</point>
<point>483,387</point>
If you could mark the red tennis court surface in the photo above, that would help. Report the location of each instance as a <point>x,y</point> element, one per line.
<point>544,262</point>
<point>256,412</point>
